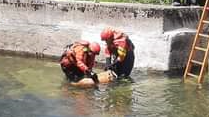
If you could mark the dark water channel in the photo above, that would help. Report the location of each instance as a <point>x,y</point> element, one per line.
<point>35,88</point>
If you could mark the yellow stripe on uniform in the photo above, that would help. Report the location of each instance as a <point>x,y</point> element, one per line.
<point>85,49</point>
<point>121,52</point>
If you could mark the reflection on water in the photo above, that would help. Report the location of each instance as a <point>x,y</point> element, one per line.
<point>35,88</point>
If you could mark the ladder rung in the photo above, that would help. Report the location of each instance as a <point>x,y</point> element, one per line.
<point>204,35</point>
<point>200,48</point>
<point>205,21</point>
<point>193,75</point>
<point>198,37</point>
<point>197,62</point>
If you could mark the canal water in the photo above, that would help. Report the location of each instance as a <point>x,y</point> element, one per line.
<point>35,88</point>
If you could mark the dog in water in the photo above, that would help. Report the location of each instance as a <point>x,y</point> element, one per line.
<point>103,77</point>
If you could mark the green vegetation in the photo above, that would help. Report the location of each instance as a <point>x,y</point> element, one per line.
<point>141,1</point>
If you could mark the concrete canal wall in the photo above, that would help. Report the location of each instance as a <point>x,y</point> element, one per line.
<point>162,34</point>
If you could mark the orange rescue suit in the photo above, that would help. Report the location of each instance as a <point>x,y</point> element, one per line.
<point>79,55</point>
<point>119,47</point>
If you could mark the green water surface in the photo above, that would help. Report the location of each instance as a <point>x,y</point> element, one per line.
<point>35,88</point>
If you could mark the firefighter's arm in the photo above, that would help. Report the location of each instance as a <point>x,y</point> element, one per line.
<point>121,53</point>
<point>80,60</point>
<point>91,65</point>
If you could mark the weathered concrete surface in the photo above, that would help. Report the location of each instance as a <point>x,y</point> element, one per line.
<point>157,31</point>
<point>180,45</point>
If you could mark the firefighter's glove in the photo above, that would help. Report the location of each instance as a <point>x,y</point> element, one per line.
<point>111,66</point>
<point>93,75</point>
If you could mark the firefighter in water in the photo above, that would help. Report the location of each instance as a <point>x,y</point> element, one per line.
<point>119,51</point>
<point>78,60</point>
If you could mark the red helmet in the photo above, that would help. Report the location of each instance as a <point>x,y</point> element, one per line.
<point>94,47</point>
<point>106,34</point>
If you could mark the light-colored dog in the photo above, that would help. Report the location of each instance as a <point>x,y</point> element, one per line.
<point>103,77</point>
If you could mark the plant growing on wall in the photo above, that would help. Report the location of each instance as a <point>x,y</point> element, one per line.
<point>140,1</point>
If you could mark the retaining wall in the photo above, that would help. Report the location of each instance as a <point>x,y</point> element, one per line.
<point>162,34</point>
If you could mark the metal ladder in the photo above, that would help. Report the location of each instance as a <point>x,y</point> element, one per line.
<point>196,48</point>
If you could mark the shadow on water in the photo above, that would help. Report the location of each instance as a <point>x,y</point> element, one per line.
<point>35,88</point>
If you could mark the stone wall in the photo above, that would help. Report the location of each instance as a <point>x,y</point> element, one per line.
<point>46,27</point>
